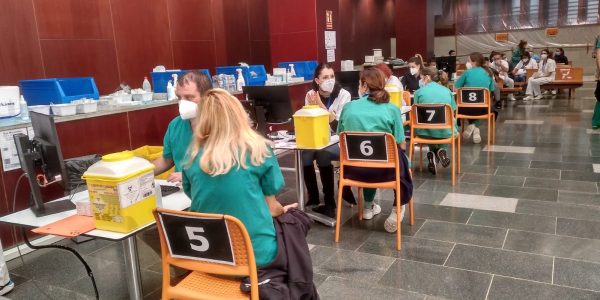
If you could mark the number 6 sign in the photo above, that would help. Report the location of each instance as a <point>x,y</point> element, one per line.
<point>362,146</point>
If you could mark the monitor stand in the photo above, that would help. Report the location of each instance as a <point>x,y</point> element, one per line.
<point>53,207</point>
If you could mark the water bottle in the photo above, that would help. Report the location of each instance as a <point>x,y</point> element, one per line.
<point>24,109</point>
<point>146,85</point>
<point>292,71</point>
<point>240,80</point>
<point>171,91</point>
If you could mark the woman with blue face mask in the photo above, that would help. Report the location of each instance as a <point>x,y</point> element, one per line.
<point>330,96</point>
<point>411,81</point>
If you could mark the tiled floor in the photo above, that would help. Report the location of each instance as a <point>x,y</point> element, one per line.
<point>523,222</point>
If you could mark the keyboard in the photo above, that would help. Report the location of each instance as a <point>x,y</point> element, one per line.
<point>166,190</point>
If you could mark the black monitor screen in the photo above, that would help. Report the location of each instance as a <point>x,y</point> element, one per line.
<point>47,139</point>
<point>349,81</point>
<point>446,63</point>
<point>274,99</point>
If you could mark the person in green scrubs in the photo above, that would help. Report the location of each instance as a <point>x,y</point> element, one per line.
<point>596,117</point>
<point>431,92</point>
<point>230,169</point>
<point>373,112</point>
<point>190,89</point>
<point>481,77</point>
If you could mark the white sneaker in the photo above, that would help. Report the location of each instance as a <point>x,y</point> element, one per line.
<point>554,92</point>
<point>5,289</point>
<point>538,97</point>
<point>468,131</point>
<point>369,213</point>
<point>511,97</point>
<point>476,136</point>
<point>545,92</point>
<point>528,98</point>
<point>390,222</point>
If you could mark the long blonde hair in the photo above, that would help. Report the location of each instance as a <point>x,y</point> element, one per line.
<point>224,134</point>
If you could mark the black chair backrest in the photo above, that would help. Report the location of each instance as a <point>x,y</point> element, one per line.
<point>366,147</point>
<point>431,114</point>
<point>197,238</point>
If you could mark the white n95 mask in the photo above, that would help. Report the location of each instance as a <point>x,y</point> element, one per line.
<point>413,71</point>
<point>327,85</point>
<point>188,109</point>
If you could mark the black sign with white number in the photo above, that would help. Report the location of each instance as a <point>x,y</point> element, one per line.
<point>198,238</point>
<point>366,147</point>
<point>431,115</point>
<point>472,96</point>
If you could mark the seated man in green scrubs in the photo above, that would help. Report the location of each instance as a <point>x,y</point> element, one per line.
<point>431,92</point>
<point>190,88</point>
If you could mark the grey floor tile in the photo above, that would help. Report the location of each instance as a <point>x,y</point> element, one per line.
<point>493,179</point>
<point>535,223</point>
<point>580,176</point>
<point>501,262</point>
<point>480,202</point>
<point>320,254</point>
<point>501,162</point>
<point>318,279</point>
<point>461,233</point>
<point>578,228</point>
<point>578,186</point>
<point>562,210</point>
<point>538,155</point>
<point>350,238</point>
<point>522,193</point>
<point>436,280</point>
<point>339,288</point>
<point>42,290</point>
<point>460,187</point>
<point>478,169</point>
<point>542,183</point>
<point>527,172</point>
<point>355,266</point>
<point>580,159</point>
<point>148,250</point>
<point>423,250</point>
<point>577,274</point>
<point>562,166</point>
<point>553,245</point>
<point>504,288</point>
<point>428,197</point>
<point>442,213</point>
<point>579,198</point>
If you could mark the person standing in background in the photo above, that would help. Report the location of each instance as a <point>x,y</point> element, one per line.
<point>6,285</point>
<point>516,55</point>
<point>596,117</point>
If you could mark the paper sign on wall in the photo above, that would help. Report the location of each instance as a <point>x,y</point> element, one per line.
<point>330,55</point>
<point>330,40</point>
<point>8,149</point>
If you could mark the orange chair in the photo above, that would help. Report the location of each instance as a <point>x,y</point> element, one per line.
<point>485,103</point>
<point>446,121</point>
<point>407,97</point>
<point>391,161</point>
<point>208,279</point>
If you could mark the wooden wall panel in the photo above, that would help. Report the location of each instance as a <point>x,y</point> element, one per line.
<point>74,19</point>
<point>148,127</point>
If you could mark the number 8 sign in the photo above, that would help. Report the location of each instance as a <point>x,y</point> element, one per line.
<point>472,96</point>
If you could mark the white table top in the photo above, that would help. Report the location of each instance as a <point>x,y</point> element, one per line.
<point>26,217</point>
<point>286,144</point>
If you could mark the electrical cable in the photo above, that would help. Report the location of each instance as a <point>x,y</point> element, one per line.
<point>60,247</point>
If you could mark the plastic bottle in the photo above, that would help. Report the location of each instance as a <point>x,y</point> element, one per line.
<point>171,91</point>
<point>146,85</point>
<point>24,109</point>
<point>174,79</point>
<point>292,71</point>
<point>240,80</point>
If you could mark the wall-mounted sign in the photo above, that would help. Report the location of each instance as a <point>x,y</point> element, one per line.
<point>502,37</point>
<point>328,19</point>
<point>552,32</point>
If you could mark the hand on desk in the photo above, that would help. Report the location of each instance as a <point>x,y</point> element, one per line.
<point>175,178</point>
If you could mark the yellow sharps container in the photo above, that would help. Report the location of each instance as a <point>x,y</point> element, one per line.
<point>395,94</point>
<point>312,127</point>
<point>121,190</point>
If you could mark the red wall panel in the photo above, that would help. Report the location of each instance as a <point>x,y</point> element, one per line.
<point>142,38</point>
<point>411,28</point>
<point>74,19</point>
<point>148,126</point>
<point>20,57</point>
<point>293,47</point>
<point>194,55</point>
<point>191,20</point>
<point>77,58</point>
<point>293,28</point>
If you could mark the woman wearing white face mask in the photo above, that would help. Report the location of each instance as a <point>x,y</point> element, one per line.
<point>545,74</point>
<point>330,96</point>
<point>411,81</point>
<point>526,63</point>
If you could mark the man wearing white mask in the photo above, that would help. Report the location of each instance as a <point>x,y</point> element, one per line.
<point>190,88</point>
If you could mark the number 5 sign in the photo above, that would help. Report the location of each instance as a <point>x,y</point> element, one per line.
<point>197,238</point>
<point>366,147</point>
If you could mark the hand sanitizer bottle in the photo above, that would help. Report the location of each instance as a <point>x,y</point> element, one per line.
<point>240,80</point>
<point>24,109</point>
<point>146,85</point>
<point>170,91</point>
<point>292,71</point>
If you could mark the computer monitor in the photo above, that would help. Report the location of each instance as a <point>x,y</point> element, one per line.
<point>275,100</point>
<point>447,64</point>
<point>43,156</point>
<point>349,81</point>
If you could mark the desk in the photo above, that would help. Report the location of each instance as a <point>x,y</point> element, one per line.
<point>286,145</point>
<point>175,201</point>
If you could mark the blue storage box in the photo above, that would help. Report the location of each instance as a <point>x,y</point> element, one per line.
<point>161,79</point>
<point>58,90</point>
<point>304,69</point>
<point>253,75</point>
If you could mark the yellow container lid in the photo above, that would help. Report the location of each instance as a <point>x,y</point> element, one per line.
<point>311,111</point>
<point>118,166</point>
<point>118,156</point>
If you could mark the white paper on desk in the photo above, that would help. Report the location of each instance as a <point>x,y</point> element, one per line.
<point>8,149</point>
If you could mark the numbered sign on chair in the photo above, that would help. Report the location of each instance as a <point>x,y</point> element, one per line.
<point>472,96</point>
<point>431,115</point>
<point>197,238</point>
<point>366,147</point>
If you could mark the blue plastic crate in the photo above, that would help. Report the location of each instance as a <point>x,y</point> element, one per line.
<point>253,75</point>
<point>161,79</point>
<point>304,69</point>
<point>58,90</point>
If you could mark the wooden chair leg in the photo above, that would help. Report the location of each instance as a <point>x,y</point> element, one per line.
<point>458,155</point>
<point>339,212</point>
<point>453,164</point>
<point>398,223</point>
<point>421,158</point>
<point>360,203</point>
<point>489,137</point>
<point>411,148</point>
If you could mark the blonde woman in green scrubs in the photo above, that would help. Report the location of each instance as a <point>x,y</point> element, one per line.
<point>431,92</point>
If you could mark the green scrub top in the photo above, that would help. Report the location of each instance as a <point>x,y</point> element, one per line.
<point>177,139</point>
<point>368,116</point>
<point>240,193</point>
<point>434,93</point>
<point>476,77</point>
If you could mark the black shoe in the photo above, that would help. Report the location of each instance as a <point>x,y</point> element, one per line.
<point>325,210</point>
<point>498,105</point>
<point>431,166</point>
<point>441,153</point>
